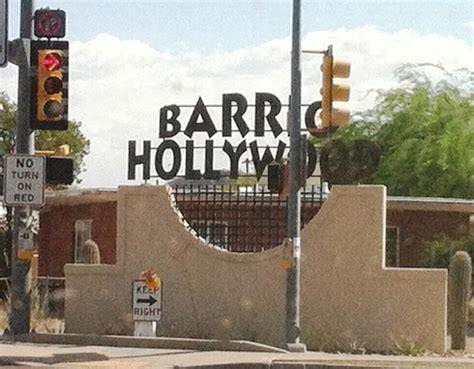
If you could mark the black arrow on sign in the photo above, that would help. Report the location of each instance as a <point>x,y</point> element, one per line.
<point>150,300</point>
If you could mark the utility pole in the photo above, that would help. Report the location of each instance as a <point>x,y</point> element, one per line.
<point>20,270</point>
<point>294,199</point>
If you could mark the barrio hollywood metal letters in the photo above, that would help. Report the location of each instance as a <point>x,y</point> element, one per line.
<point>267,122</point>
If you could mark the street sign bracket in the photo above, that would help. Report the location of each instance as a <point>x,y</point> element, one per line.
<point>19,51</point>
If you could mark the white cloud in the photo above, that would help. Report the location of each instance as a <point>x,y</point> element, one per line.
<point>117,87</point>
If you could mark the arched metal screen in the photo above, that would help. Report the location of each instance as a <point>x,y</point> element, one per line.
<point>241,219</point>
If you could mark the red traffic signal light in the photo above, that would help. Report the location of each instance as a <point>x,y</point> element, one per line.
<point>50,23</point>
<point>49,98</point>
<point>52,61</point>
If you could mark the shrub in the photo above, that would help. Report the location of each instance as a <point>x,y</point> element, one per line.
<point>438,252</point>
<point>407,347</point>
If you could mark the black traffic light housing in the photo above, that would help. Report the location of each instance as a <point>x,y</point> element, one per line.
<point>274,177</point>
<point>59,170</point>
<point>49,85</point>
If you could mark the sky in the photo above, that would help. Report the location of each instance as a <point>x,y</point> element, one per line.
<point>130,58</point>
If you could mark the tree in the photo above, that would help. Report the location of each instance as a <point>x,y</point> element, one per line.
<point>44,140</point>
<point>426,134</point>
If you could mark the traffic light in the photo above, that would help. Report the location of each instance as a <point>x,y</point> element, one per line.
<point>49,92</point>
<point>274,177</point>
<point>59,170</point>
<point>278,174</point>
<point>334,90</point>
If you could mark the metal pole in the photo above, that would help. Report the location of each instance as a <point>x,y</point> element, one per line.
<point>20,272</point>
<point>294,200</point>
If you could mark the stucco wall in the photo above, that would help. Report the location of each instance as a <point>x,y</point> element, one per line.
<point>206,292</point>
<point>348,298</point>
<point>210,293</point>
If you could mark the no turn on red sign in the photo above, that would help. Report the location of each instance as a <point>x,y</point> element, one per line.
<point>24,178</point>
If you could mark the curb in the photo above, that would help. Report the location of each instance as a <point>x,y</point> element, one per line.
<point>142,342</point>
<point>304,365</point>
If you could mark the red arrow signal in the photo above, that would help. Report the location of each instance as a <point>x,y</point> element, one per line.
<point>52,61</point>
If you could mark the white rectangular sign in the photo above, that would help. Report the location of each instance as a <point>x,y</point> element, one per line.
<point>24,180</point>
<point>25,239</point>
<point>3,33</point>
<point>146,302</point>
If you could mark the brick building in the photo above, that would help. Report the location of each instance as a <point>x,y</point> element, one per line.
<point>245,220</point>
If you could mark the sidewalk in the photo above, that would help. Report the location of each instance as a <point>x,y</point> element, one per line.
<point>83,351</point>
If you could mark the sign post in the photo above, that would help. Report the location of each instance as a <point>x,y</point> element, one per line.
<point>293,328</point>
<point>20,267</point>
<point>3,33</point>
<point>146,308</point>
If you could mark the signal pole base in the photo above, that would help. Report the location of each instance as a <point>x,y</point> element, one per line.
<point>296,347</point>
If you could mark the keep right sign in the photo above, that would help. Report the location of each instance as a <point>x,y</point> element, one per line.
<point>146,302</point>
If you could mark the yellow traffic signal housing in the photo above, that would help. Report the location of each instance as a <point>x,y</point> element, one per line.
<point>49,100</point>
<point>59,168</point>
<point>333,90</point>
<point>62,150</point>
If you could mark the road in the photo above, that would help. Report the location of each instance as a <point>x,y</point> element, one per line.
<point>21,354</point>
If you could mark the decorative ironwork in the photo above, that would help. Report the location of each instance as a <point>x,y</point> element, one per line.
<point>241,218</point>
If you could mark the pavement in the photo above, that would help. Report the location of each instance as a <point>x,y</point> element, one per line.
<point>88,351</point>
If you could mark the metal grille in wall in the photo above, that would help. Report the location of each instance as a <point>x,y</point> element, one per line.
<point>241,219</point>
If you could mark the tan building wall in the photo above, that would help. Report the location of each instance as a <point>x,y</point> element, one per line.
<point>208,293</point>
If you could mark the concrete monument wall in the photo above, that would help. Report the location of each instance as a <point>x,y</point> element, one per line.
<point>210,293</point>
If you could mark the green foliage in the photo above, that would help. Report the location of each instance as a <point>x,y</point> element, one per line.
<point>44,140</point>
<point>428,145</point>
<point>438,252</point>
<point>407,347</point>
<point>425,132</point>
<point>459,293</point>
<point>345,343</point>
<point>7,124</point>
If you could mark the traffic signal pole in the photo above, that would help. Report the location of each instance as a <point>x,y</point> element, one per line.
<point>21,268</point>
<point>294,199</point>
